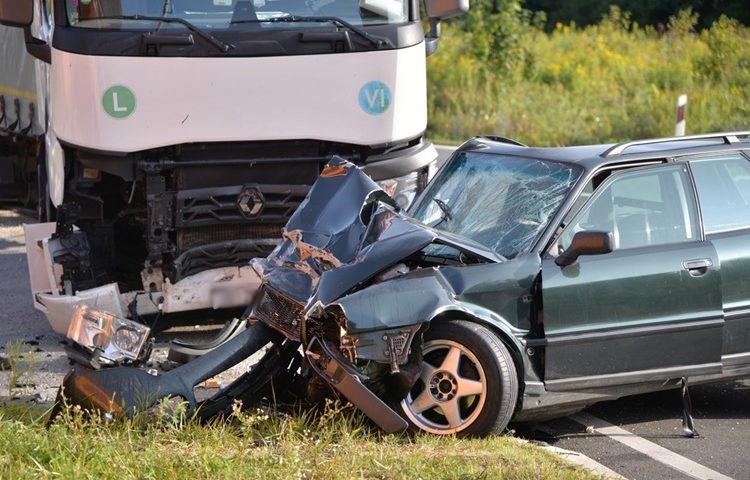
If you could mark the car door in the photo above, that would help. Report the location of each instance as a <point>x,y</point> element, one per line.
<point>650,309</point>
<point>723,185</point>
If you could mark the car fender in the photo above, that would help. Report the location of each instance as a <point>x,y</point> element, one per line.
<point>422,296</point>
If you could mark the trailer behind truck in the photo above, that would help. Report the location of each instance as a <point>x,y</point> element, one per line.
<point>21,127</point>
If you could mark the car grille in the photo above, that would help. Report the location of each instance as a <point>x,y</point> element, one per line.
<point>279,312</point>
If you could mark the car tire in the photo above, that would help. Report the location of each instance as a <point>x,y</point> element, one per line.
<point>468,385</point>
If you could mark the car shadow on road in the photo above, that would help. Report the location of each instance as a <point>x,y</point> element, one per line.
<point>718,400</point>
<point>728,400</point>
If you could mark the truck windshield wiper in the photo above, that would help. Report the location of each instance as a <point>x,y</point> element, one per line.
<point>219,44</point>
<point>374,41</point>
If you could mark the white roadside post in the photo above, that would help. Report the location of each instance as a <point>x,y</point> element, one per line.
<point>679,127</point>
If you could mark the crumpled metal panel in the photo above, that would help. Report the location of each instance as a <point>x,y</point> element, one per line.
<point>398,240</point>
<point>396,303</point>
<point>496,293</point>
<point>323,233</point>
<point>390,238</point>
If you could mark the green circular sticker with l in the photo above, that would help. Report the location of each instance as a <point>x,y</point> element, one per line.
<point>118,101</point>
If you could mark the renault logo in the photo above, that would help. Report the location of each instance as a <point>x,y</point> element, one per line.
<point>250,202</point>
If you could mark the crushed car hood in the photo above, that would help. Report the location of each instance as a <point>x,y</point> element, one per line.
<point>346,231</point>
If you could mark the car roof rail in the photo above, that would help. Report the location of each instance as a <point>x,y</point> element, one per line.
<point>499,139</point>
<point>728,138</point>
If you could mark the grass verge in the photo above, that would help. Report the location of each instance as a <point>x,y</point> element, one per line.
<point>263,444</point>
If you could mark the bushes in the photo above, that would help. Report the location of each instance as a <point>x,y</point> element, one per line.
<point>607,82</point>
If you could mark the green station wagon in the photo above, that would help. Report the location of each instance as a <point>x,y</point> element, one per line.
<point>628,268</point>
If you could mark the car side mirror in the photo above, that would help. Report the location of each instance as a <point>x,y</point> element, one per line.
<point>585,243</point>
<point>15,13</point>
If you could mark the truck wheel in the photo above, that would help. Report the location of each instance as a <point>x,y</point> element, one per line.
<point>468,385</point>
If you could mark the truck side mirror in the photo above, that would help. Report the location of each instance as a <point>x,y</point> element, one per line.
<point>442,9</point>
<point>439,10</point>
<point>20,13</point>
<point>16,13</point>
<point>585,243</point>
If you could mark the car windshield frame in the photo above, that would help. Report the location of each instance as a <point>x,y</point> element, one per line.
<point>503,202</point>
<point>225,16</point>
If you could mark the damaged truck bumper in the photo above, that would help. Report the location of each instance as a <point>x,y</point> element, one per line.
<point>217,288</point>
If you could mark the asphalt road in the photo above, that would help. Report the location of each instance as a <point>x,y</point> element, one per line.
<point>23,329</point>
<point>722,419</point>
<point>722,411</point>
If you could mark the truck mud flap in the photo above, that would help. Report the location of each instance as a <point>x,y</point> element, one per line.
<point>330,365</point>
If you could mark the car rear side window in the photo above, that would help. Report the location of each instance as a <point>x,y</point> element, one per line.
<point>723,185</point>
<point>640,208</point>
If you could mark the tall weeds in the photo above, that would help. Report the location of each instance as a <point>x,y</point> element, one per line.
<point>608,82</point>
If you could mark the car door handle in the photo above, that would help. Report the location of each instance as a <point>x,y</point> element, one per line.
<point>697,267</point>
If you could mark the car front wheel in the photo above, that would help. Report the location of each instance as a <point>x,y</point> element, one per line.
<point>468,385</point>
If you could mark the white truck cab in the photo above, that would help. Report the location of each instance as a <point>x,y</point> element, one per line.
<point>181,135</point>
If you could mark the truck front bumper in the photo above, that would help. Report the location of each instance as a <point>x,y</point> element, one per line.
<point>400,162</point>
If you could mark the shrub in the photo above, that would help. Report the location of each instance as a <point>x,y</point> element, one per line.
<point>608,82</point>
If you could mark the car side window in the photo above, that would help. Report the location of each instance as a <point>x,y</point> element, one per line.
<point>723,185</point>
<point>640,207</point>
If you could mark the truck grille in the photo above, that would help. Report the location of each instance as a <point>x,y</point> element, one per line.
<point>279,312</point>
<point>192,237</point>
<point>209,206</point>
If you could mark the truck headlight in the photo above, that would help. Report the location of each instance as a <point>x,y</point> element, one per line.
<point>115,338</point>
<point>404,189</point>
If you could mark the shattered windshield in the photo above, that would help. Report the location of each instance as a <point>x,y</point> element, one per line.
<point>235,14</point>
<point>502,202</point>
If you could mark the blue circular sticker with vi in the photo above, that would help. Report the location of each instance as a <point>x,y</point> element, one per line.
<point>375,97</point>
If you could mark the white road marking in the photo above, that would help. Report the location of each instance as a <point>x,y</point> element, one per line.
<point>652,450</point>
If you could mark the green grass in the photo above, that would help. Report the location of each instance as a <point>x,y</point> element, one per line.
<point>336,444</point>
<point>603,83</point>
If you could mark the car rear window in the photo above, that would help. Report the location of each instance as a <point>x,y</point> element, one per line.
<point>723,184</point>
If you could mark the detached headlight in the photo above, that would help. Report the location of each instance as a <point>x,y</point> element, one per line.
<point>404,189</point>
<point>115,338</point>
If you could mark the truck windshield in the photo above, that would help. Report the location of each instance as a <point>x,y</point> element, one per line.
<point>234,14</point>
<point>502,202</point>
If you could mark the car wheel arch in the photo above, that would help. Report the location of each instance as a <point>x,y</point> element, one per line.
<point>501,330</point>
